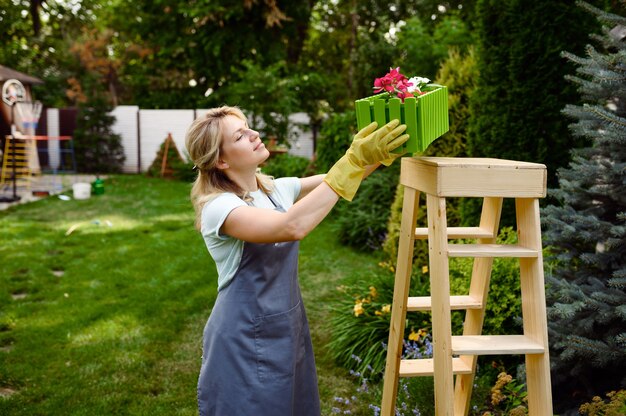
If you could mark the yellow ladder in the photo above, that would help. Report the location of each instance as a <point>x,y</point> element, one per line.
<point>16,159</point>
<point>492,180</point>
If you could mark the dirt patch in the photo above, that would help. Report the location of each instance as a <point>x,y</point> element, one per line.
<point>7,392</point>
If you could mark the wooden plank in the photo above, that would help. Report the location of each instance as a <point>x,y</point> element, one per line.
<point>423,303</point>
<point>490,250</point>
<point>440,292</point>
<point>475,177</point>
<point>495,345</point>
<point>402,283</point>
<point>424,367</point>
<point>479,289</point>
<point>534,307</point>
<point>421,233</point>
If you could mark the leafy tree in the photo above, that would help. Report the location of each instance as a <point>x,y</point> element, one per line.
<point>586,229</point>
<point>268,95</point>
<point>422,47</point>
<point>193,48</point>
<point>45,54</point>
<point>354,40</point>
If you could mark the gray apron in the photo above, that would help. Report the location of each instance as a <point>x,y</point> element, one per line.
<point>257,354</point>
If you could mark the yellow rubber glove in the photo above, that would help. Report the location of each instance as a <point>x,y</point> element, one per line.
<point>369,146</point>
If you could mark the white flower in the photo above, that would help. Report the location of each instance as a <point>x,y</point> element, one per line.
<point>418,83</point>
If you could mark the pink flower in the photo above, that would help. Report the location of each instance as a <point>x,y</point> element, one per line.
<point>395,82</point>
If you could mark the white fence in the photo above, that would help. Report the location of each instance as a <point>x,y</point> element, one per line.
<point>143,132</point>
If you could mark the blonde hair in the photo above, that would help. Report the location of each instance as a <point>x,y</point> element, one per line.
<point>203,142</point>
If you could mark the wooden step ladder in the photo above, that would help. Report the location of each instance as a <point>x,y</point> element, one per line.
<point>492,180</point>
<point>15,161</point>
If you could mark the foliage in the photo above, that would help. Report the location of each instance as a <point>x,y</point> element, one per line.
<point>508,398</point>
<point>97,148</point>
<point>504,308</point>
<point>586,230</point>
<point>360,320</point>
<point>43,52</point>
<point>356,40</point>
<point>516,111</point>
<point>285,165</point>
<point>423,47</point>
<point>362,223</point>
<point>267,95</point>
<point>616,405</point>
<point>415,395</point>
<point>458,73</point>
<point>335,138</point>
<point>204,46</point>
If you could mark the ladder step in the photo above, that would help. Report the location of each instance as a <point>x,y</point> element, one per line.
<point>495,345</point>
<point>490,250</point>
<point>421,233</point>
<point>423,303</point>
<point>425,367</point>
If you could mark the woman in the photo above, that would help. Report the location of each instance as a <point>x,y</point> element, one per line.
<point>257,353</point>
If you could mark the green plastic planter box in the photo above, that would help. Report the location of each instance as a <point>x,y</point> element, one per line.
<point>425,116</point>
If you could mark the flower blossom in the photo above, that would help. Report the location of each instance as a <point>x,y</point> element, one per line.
<point>417,83</point>
<point>394,82</point>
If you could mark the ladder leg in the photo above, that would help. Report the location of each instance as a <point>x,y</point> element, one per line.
<point>534,307</point>
<point>440,295</point>
<point>479,289</point>
<point>400,295</point>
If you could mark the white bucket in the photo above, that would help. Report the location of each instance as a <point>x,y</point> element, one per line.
<point>81,190</point>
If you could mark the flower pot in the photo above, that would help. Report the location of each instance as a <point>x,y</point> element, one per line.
<point>425,116</point>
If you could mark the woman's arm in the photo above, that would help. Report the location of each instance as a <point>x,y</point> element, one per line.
<point>258,225</point>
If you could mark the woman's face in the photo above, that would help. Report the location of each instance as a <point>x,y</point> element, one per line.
<point>241,147</point>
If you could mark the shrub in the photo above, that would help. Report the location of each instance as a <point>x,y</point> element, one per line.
<point>616,406</point>
<point>362,223</point>
<point>284,165</point>
<point>415,395</point>
<point>97,148</point>
<point>360,319</point>
<point>504,307</point>
<point>507,398</point>
<point>335,138</point>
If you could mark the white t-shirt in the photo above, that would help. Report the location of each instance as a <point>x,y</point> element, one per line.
<point>225,250</point>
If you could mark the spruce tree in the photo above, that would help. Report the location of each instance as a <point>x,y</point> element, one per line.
<point>98,149</point>
<point>586,230</point>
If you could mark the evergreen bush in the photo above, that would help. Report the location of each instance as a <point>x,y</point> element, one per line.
<point>97,148</point>
<point>516,110</point>
<point>586,229</point>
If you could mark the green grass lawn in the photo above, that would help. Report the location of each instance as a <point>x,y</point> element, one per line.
<point>107,319</point>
